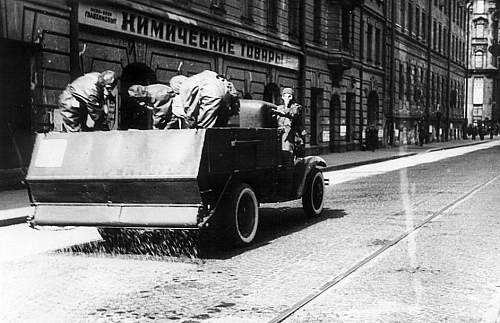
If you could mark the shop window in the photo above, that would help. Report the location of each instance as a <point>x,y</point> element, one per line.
<point>294,19</point>
<point>272,14</point>
<point>317,20</point>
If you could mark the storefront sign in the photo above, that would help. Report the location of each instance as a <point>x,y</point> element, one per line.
<point>182,31</point>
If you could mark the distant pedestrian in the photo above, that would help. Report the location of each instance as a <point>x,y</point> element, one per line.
<point>371,137</point>
<point>421,132</point>
<point>474,132</point>
<point>480,130</point>
<point>85,96</point>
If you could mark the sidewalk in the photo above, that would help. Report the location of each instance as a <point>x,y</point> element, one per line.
<point>15,205</point>
<point>336,161</point>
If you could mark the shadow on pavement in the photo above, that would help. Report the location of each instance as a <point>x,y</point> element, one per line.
<point>275,223</point>
<point>186,245</point>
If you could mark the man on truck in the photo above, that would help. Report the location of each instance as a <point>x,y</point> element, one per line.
<point>85,96</point>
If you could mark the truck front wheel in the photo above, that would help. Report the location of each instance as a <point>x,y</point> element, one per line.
<point>313,196</point>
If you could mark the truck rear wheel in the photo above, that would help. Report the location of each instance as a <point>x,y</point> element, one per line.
<point>313,197</point>
<point>239,216</point>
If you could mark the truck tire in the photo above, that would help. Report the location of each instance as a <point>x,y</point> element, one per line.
<point>313,197</point>
<point>238,217</point>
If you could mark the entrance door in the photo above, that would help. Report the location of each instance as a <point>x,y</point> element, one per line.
<point>131,114</point>
<point>372,108</point>
<point>350,116</point>
<point>16,140</point>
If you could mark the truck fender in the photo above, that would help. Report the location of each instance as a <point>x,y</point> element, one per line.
<point>303,168</point>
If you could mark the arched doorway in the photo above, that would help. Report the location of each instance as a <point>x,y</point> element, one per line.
<point>334,120</point>
<point>372,108</point>
<point>131,115</point>
<point>272,93</point>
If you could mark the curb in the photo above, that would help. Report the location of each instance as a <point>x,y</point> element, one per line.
<point>365,162</point>
<point>459,146</point>
<point>12,221</point>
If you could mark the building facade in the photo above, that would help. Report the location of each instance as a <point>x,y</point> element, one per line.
<point>352,63</point>
<point>427,74</point>
<point>483,81</point>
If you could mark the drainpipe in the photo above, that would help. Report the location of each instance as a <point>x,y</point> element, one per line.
<point>429,67</point>
<point>467,54</point>
<point>392,97</point>
<point>448,73</point>
<point>303,54</point>
<point>74,40</point>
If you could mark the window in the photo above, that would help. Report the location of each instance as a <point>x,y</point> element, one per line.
<point>294,18</point>
<point>434,34</point>
<point>378,46</point>
<point>317,20</point>
<point>408,81</point>
<point>417,21</point>
<point>479,8</point>
<point>477,94</point>
<point>445,40</point>
<point>424,25</point>
<point>247,10</point>
<point>410,18</point>
<point>401,81</point>
<point>217,5</point>
<point>403,14</point>
<point>369,43</point>
<point>346,28</point>
<point>479,29</point>
<point>440,37</point>
<point>479,59</point>
<point>272,14</point>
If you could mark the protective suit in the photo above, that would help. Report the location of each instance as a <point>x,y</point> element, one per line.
<point>156,97</point>
<point>206,100</point>
<point>86,96</point>
<point>289,119</point>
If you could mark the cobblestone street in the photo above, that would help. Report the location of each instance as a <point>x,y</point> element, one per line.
<point>448,270</point>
